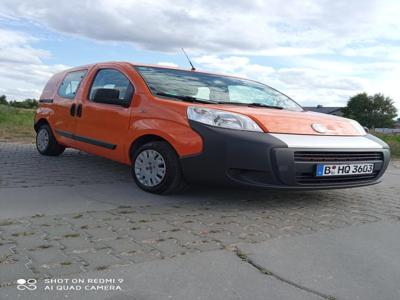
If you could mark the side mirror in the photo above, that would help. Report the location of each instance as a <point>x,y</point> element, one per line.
<point>366,129</point>
<point>107,96</point>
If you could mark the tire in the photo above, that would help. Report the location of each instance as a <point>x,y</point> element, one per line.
<point>46,144</point>
<point>156,168</point>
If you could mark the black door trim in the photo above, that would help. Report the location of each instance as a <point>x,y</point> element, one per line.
<point>45,100</point>
<point>86,140</point>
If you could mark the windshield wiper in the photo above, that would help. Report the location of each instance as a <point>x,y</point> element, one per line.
<point>198,100</point>
<point>264,105</point>
<point>184,98</point>
<point>251,104</point>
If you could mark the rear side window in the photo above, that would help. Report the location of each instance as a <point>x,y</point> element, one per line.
<point>115,80</point>
<point>70,84</point>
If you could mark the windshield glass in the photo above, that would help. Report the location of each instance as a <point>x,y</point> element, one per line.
<point>187,85</point>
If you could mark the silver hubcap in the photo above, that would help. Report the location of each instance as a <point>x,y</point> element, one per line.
<point>42,139</point>
<point>150,168</point>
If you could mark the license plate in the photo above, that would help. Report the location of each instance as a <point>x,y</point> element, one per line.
<point>344,169</point>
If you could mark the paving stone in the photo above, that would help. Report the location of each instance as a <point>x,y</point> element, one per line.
<point>76,244</point>
<point>141,253</point>
<point>101,234</point>
<point>63,268</point>
<point>168,247</point>
<point>60,231</point>
<point>98,260</point>
<point>142,233</point>
<point>122,245</point>
<point>203,245</point>
<point>5,252</point>
<point>45,257</point>
<point>14,269</point>
<point>31,241</point>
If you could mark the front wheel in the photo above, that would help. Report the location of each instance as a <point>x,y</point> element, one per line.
<point>46,144</point>
<point>156,168</point>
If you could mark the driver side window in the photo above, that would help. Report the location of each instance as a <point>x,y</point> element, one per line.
<point>114,83</point>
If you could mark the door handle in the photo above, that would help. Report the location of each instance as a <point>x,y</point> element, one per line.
<point>79,110</point>
<point>72,110</point>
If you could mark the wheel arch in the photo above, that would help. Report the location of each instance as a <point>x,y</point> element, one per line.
<point>144,139</point>
<point>41,122</point>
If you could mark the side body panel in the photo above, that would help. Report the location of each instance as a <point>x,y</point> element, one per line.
<point>111,130</point>
<point>56,110</point>
<point>161,117</point>
<point>101,128</point>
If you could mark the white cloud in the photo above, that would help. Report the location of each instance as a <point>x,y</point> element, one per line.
<point>295,27</point>
<point>22,71</point>
<point>167,64</point>
<point>325,50</point>
<point>317,82</point>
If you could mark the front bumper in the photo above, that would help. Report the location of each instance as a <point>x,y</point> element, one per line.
<point>280,161</point>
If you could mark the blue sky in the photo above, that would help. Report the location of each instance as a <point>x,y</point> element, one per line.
<point>318,52</point>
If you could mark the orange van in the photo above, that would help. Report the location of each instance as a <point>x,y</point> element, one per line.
<point>174,127</point>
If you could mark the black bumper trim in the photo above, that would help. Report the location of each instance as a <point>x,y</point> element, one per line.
<point>261,160</point>
<point>45,100</point>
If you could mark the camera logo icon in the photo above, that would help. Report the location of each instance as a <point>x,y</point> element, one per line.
<point>26,284</point>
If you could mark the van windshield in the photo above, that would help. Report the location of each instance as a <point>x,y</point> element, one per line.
<point>207,88</point>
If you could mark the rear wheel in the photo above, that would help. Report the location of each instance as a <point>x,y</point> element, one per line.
<point>46,144</point>
<point>156,168</point>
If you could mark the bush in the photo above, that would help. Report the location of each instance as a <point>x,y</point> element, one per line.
<point>393,140</point>
<point>27,103</point>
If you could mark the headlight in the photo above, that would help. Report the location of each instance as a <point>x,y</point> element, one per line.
<point>221,118</point>
<point>357,127</point>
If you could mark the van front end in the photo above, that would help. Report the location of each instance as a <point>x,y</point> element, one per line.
<point>285,161</point>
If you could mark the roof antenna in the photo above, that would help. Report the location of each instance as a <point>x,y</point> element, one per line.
<point>193,68</point>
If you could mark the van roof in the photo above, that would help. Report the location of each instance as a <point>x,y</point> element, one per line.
<point>125,63</point>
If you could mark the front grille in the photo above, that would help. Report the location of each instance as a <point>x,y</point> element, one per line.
<point>306,178</point>
<point>306,162</point>
<point>310,156</point>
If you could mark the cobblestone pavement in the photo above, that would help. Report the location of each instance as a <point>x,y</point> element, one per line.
<point>42,245</point>
<point>22,166</point>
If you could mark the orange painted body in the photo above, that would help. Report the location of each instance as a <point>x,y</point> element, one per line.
<point>150,115</point>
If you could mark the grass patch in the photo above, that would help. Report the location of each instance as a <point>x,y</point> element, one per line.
<point>392,140</point>
<point>44,246</point>
<point>25,233</point>
<point>41,247</point>
<point>4,258</point>
<point>6,222</point>
<point>38,216</point>
<point>71,235</point>
<point>144,221</point>
<point>16,124</point>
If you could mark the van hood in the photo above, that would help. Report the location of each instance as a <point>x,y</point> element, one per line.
<point>296,122</point>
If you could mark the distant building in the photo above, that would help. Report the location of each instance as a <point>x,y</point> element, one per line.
<point>388,130</point>
<point>397,124</point>
<point>337,111</point>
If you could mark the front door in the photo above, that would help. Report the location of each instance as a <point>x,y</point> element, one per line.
<point>102,127</point>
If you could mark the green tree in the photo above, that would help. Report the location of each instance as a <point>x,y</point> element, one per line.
<point>3,100</point>
<point>371,111</point>
<point>27,103</point>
